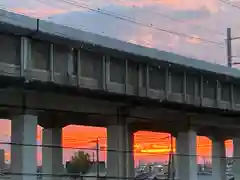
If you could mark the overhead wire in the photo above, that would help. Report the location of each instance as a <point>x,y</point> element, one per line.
<point>76,175</point>
<point>127,19</point>
<point>32,14</point>
<point>227,2</point>
<point>168,17</point>
<point>68,147</point>
<point>47,2</point>
<point>230,4</point>
<point>175,19</point>
<point>151,26</point>
<point>89,148</point>
<point>172,32</point>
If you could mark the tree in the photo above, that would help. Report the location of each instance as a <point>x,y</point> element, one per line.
<point>79,163</point>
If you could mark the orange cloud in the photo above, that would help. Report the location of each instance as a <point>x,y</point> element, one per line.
<point>39,12</point>
<point>194,39</point>
<point>213,6</point>
<point>144,37</point>
<point>48,10</point>
<point>157,150</point>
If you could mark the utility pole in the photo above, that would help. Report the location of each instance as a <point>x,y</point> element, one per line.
<point>93,157</point>
<point>229,47</point>
<point>172,164</point>
<point>97,154</point>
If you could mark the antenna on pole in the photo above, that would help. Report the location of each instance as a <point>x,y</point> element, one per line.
<point>229,47</point>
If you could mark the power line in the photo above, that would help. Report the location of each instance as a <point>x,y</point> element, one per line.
<point>139,23</point>
<point>230,4</point>
<point>167,17</point>
<point>83,148</point>
<point>34,15</point>
<point>152,12</point>
<point>190,37</point>
<point>22,13</point>
<point>77,175</point>
<point>98,10</point>
<point>127,19</point>
<point>177,20</point>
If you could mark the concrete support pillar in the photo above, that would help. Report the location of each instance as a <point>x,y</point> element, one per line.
<point>23,157</point>
<point>130,166</point>
<point>2,159</point>
<point>171,170</point>
<point>236,158</point>
<point>115,154</point>
<point>186,159</point>
<point>52,157</point>
<point>172,159</point>
<point>218,159</point>
<point>120,159</point>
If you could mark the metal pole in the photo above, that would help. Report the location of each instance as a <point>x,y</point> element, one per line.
<point>173,162</point>
<point>229,47</point>
<point>97,158</point>
<point>93,157</point>
<point>170,174</point>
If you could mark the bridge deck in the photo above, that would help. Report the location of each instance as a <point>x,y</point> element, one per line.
<point>58,33</point>
<point>46,52</point>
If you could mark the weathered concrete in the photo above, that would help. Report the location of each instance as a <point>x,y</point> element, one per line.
<point>186,159</point>
<point>2,159</point>
<point>23,149</point>
<point>59,33</point>
<point>52,157</point>
<point>236,158</point>
<point>218,159</point>
<point>120,159</point>
<point>186,156</point>
<point>166,76</point>
<point>49,69</point>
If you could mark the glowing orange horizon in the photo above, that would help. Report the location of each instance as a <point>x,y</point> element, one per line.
<point>147,145</point>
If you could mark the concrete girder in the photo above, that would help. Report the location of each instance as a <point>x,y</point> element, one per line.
<point>40,101</point>
<point>156,114</point>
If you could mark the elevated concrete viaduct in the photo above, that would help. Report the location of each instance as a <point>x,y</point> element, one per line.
<point>54,76</point>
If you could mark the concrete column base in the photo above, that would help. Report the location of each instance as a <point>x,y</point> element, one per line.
<point>52,158</point>
<point>218,159</point>
<point>186,160</point>
<point>24,157</point>
<point>130,166</point>
<point>2,159</point>
<point>236,158</point>
<point>120,158</point>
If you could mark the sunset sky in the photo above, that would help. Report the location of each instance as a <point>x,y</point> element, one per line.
<point>202,20</point>
<point>149,146</point>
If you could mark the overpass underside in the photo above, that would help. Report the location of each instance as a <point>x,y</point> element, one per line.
<point>55,82</point>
